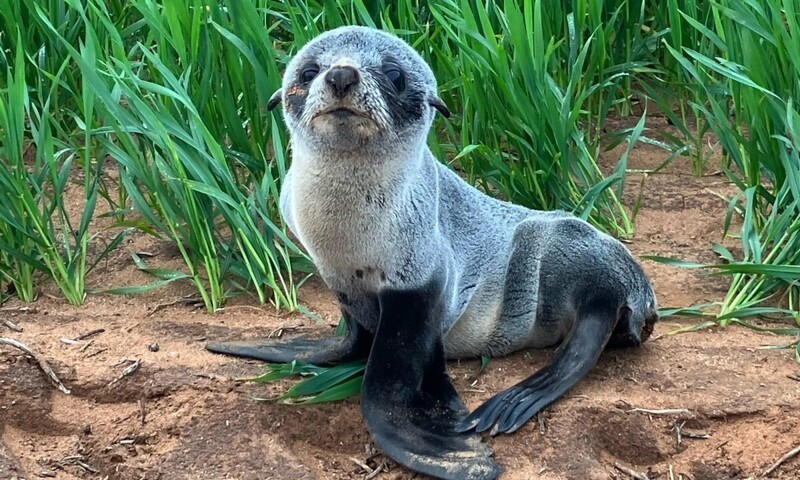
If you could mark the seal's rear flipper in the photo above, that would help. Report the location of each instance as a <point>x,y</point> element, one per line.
<point>510,409</point>
<point>408,402</point>
<point>317,351</point>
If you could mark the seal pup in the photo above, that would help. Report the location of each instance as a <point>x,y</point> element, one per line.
<point>426,267</point>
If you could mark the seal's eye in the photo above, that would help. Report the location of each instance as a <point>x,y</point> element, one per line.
<point>308,74</point>
<point>396,77</point>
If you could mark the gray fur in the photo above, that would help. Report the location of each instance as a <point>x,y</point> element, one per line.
<point>374,209</point>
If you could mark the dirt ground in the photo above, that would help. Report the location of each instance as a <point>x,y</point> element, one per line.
<point>183,414</point>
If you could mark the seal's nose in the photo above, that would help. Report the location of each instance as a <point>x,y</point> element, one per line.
<point>341,79</point>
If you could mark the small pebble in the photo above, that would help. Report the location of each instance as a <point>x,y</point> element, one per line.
<point>153,347</point>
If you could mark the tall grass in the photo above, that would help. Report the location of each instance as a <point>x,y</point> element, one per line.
<point>746,87</point>
<point>195,163</point>
<point>39,233</point>
<point>17,262</point>
<point>671,89</point>
<point>193,159</point>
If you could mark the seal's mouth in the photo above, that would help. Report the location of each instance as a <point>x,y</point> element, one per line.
<point>341,112</point>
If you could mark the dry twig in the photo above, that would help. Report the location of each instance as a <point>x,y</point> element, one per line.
<point>696,435</point>
<point>680,433</point>
<point>781,461</point>
<point>190,300</point>
<point>666,411</point>
<point>278,332</point>
<point>631,473</point>
<point>475,390</point>
<point>88,334</point>
<point>13,326</point>
<point>122,361</point>
<point>363,465</point>
<point>96,352</point>
<point>87,345</point>
<point>128,370</point>
<point>677,427</point>
<point>41,361</point>
<point>142,411</point>
<point>130,328</point>
<point>79,461</point>
<point>378,470</point>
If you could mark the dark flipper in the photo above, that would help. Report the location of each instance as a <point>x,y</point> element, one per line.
<point>318,351</point>
<point>409,404</point>
<point>510,409</point>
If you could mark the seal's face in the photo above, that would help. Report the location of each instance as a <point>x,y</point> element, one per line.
<point>356,88</point>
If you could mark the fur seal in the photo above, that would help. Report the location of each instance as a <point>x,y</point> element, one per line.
<point>426,267</point>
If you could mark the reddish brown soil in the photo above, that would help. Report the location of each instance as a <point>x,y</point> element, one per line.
<point>183,416</point>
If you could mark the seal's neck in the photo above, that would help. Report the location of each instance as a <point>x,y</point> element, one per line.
<point>389,170</point>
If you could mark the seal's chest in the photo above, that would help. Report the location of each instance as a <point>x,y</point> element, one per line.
<point>345,231</point>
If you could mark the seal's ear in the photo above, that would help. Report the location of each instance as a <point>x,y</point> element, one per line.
<point>439,105</point>
<point>275,99</point>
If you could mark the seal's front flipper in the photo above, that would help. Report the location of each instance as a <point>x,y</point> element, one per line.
<point>408,402</point>
<point>510,409</point>
<point>317,351</point>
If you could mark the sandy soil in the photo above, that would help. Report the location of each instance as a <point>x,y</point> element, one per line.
<point>182,414</point>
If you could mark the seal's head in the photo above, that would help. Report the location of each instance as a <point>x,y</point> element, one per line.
<point>637,320</point>
<point>358,88</point>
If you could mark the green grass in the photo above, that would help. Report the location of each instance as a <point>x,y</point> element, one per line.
<point>153,114</point>
<point>198,166</point>
<point>745,86</point>
<point>321,385</point>
<point>39,233</point>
